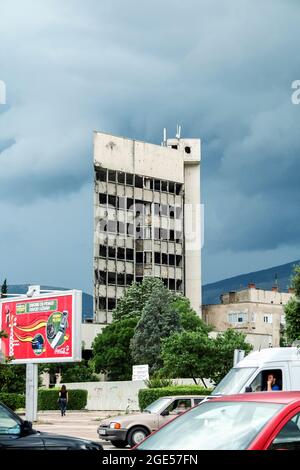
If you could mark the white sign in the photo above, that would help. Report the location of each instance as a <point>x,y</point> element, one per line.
<point>140,372</point>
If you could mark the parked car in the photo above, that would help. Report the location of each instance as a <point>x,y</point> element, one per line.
<point>18,434</point>
<point>250,374</point>
<point>256,421</point>
<point>133,428</point>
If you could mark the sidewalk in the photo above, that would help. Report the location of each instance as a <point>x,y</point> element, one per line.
<point>82,424</point>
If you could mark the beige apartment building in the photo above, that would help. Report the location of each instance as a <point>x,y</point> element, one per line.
<point>147,218</point>
<point>258,313</point>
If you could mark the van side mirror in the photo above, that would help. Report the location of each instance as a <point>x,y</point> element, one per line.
<point>165,413</point>
<point>248,389</point>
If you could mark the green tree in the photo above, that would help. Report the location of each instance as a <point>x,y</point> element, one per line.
<point>158,321</point>
<point>4,290</point>
<point>134,299</point>
<point>12,378</point>
<point>292,310</point>
<point>223,352</point>
<point>78,372</point>
<point>194,354</point>
<point>111,350</point>
<point>188,354</point>
<point>189,320</point>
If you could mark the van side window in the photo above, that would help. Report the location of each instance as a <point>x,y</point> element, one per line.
<point>260,383</point>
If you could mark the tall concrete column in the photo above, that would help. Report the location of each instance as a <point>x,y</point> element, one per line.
<point>193,218</point>
<point>31,391</point>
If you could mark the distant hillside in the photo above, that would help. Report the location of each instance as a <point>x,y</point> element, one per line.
<point>87,299</point>
<point>264,279</point>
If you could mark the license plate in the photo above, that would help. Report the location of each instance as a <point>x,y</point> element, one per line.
<point>102,432</point>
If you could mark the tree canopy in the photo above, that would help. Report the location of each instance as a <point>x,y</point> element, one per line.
<point>111,350</point>
<point>292,309</point>
<point>159,320</point>
<point>194,354</point>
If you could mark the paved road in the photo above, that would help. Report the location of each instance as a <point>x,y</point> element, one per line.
<point>76,423</point>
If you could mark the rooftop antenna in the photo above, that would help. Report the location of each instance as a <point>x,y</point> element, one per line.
<point>164,143</point>
<point>178,131</point>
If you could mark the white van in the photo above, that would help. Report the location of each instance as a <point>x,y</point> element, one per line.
<point>250,374</point>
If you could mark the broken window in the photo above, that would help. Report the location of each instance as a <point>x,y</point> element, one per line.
<point>129,254</point>
<point>129,179</point>
<point>103,251</point>
<point>164,186</point>
<point>102,198</point>
<point>121,253</point>
<point>101,175</point>
<point>111,304</point>
<point>111,252</point>
<point>178,188</point>
<point>112,201</point>
<point>112,176</point>
<point>138,181</point>
<point>121,177</point>
<point>157,258</point>
<point>157,185</point>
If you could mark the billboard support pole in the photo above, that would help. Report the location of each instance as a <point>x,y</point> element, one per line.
<point>31,391</point>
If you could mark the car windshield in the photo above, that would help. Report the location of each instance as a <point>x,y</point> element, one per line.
<point>234,381</point>
<point>213,425</point>
<point>158,405</point>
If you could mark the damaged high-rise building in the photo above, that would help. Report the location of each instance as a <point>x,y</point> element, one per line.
<point>147,218</point>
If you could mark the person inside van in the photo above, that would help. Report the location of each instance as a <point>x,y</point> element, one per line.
<point>271,383</point>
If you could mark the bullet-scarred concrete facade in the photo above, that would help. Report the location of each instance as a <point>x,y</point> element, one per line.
<point>147,218</point>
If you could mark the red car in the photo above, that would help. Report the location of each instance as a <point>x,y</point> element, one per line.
<point>254,421</point>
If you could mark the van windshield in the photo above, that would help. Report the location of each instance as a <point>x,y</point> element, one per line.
<point>234,381</point>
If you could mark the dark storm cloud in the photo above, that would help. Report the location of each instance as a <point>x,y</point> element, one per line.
<point>221,69</point>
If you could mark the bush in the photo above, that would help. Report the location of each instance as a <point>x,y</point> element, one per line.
<point>13,400</point>
<point>149,395</point>
<point>158,382</point>
<point>47,399</point>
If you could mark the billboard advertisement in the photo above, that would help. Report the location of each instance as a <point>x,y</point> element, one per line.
<point>45,328</point>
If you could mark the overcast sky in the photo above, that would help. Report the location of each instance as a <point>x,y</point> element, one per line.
<point>221,69</point>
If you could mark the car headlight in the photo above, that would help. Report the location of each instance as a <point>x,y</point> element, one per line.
<point>114,425</point>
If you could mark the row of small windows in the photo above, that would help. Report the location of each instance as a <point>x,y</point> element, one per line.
<point>241,317</point>
<point>140,207</point>
<point>145,233</point>
<point>127,254</point>
<point>106,303</point>
<point>159,258</point>
<point>119,253</point>
<point>113,278</point>
<point>137,181</point>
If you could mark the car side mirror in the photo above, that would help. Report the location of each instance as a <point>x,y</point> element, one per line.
<point>248,389</point>
<point>165,413</point>
<point>26,427</point>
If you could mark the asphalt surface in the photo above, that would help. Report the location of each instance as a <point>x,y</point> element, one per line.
<point>82,424</point>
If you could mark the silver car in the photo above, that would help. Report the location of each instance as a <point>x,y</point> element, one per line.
<point>131,429</point>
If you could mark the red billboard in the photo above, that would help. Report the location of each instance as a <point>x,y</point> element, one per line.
<point>45,328</point>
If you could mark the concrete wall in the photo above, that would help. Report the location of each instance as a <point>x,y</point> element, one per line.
<point>116,396</point>
<point>88,333</point>
<point>257,295</point>
<point>217,315</point>
<point>112,396</point>
<point>132,156</point>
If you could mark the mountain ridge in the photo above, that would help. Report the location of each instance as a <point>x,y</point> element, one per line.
<point>263,279</point>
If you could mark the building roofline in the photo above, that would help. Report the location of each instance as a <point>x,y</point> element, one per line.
<point>143,141</point>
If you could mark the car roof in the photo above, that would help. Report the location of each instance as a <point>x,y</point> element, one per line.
<point>264,397</point>
<point>184,396</point>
